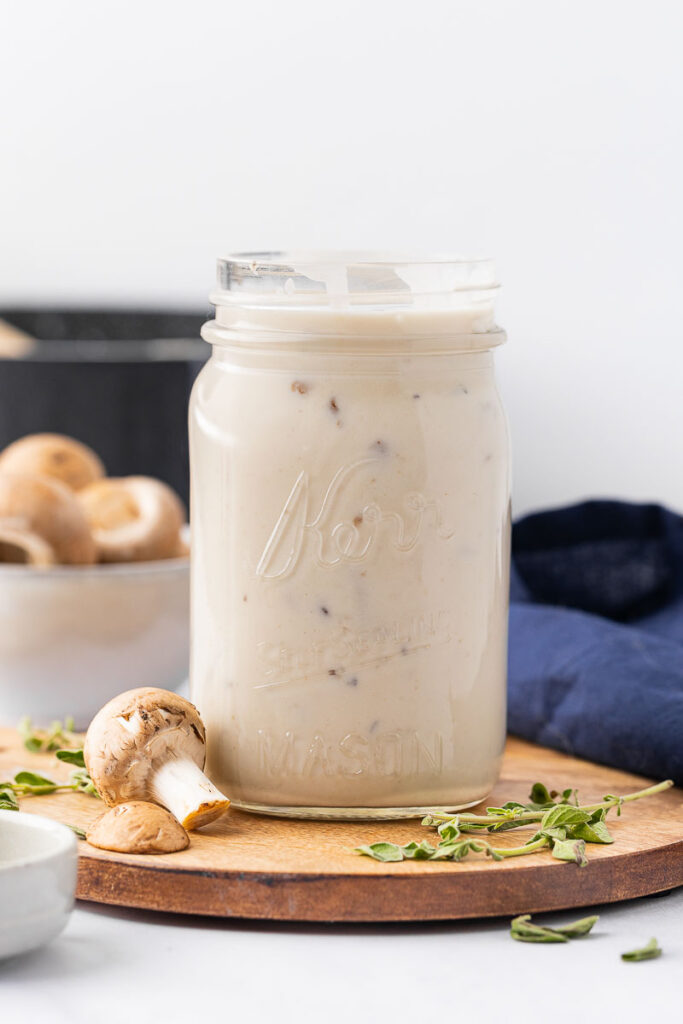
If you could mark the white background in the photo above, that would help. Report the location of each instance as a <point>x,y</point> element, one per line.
<point>123,967</point>
<point>139,140</point>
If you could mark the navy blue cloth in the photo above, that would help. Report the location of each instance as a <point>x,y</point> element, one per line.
<point>596,635</point>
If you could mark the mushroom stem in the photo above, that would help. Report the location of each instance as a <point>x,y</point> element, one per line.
<point>182,787</point>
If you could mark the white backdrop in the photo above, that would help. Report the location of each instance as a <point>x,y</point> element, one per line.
<point>139,140</point>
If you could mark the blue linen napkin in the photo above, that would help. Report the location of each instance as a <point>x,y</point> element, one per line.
<point>596,635</point>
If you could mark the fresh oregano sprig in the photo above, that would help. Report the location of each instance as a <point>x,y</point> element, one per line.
<point>61,740</point>
<point>564,828</point>
<point>31,784</point>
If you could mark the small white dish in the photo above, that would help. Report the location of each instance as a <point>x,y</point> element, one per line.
<point>38,859</point>
<point>73,637</point>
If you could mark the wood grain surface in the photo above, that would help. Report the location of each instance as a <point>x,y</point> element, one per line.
<point>258,867</point>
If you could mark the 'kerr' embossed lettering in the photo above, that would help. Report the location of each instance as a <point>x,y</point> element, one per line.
<point>336,539</point>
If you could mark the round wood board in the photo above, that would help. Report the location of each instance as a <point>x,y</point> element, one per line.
<point>257,867</point>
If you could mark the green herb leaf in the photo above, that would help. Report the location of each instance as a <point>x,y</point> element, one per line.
<point>540,795</point>
<point>541,798</point>
<point>71,757</point>
<point>444,851</point>
<point>577,929</point>
<point>29,782</point>
<point>564,814</point>
<point>418,851</point>
<point>648,952</point>
<point>8,801</point>
<point>82,783</point>
<point>557,834</point>
<point>79,831</point>
<point>466,846</point>
<point>386,852</point>
<point>571,850</point>
<point>523,930</point>
<point>593,831</point>
<point>449,831</point>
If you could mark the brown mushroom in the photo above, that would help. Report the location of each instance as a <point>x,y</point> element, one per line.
<point>54,455</point>
<point>133,519</point>
<point>150,744</point>
<point>47,508</point>
<point>138,827</point>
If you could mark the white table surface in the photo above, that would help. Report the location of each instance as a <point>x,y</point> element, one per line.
<point>128,966</point>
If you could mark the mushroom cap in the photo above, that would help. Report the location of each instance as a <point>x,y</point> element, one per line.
<point>133,519</point>
<point>21,547</point>
<point>46,507</point>
<point>131,736</point>
<point>138,827</point>
<point>14,343</point>
<point>53,455</point>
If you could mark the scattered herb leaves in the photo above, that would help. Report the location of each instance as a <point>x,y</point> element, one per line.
<point>40,741</point>
<point>523,930</point>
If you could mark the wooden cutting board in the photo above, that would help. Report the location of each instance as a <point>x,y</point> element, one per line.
<point>258,867</point>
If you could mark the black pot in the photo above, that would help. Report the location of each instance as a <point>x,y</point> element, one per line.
<point>118,380</point>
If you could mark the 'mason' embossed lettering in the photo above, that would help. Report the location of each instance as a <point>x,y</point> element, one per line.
<point>390,754</point>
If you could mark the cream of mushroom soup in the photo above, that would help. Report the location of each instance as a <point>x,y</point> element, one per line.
<point>350,535</point>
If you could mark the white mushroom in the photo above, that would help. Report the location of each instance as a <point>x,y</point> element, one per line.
<point>150,744</point>
<point>138,827</point>
<point>14,343</point>
<point>47,509</point>
<point>21,547</point>
<point>133,519</point>
<point>54,455</point>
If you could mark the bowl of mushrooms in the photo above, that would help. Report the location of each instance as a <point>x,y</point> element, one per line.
<point>94,582</point>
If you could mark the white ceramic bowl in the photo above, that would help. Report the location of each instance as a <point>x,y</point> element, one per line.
<point>72,637</point>
<point>37,880</point>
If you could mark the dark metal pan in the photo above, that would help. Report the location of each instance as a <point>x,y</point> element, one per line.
<point>118,380</point>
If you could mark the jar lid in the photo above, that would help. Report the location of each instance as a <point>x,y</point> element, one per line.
<point>328,278</point>
<point>350,296</point>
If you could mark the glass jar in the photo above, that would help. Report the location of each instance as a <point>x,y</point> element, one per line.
<point>350,535</point>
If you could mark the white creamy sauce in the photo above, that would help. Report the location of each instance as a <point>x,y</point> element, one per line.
<point>350,517</point>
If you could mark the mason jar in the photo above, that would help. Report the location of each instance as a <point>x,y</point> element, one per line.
<point>350,535</point>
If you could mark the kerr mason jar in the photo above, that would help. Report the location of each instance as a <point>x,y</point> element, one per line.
<point>350,535</point>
